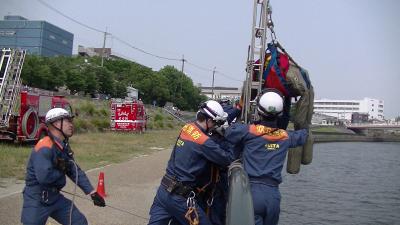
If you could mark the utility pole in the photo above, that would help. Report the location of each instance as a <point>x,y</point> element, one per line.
<point>183,74</point>
<point>212,87</point>
<point>104,45</point>
<point>183,62</point>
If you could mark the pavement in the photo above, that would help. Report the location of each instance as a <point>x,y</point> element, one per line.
<point>130,186</point>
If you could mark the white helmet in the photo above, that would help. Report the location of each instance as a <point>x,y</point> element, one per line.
<point>214,110</point>
<point>225,101</point>
<point>270,103</point>
<point>56,114</point>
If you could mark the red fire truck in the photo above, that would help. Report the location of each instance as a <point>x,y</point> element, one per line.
<point>128,115</point>
<point>22,112</point>
<point>28,123</point>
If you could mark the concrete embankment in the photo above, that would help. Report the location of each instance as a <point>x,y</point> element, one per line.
<point>346,137</point>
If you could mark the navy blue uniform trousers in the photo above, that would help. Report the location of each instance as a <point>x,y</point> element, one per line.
<point>266,202</point>
<point>167,206</point>
<point>37,213</point>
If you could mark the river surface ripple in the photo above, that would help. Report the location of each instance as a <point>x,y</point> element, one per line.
<point>347,183</point>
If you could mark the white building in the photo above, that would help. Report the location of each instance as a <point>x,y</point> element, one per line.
<point>342,109</point>
<point>221,92</point>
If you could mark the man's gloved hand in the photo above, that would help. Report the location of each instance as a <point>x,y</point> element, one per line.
<point>63,165</point>
<point>239,104</point>
<point>220,130</point>
<point>98,200</point>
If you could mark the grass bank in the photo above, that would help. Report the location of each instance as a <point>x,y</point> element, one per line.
<point>92,149</point>
<point>93,144</point>
<point>94,115</point>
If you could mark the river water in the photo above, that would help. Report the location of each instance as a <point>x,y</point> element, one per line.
<point>347,183</point>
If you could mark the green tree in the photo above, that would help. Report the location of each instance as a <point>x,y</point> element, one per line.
<point>30,70</point>
<point>106,80</point>
<point>91,82</point>
<point>174,78</point>
<point>119,90</point>
<point>40,77</point>
<point>75,81</point>
<point>83,74</point>
<point>58,68</point>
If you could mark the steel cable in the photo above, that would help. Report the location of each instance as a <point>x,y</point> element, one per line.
<point>108,205</point>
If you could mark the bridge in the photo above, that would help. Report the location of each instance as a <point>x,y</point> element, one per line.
<point>373,128</point>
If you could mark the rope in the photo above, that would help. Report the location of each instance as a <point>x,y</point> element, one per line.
<point>191,214</point>
<point>108,205</point>
<point>73,196</point>
<point>76,195</point>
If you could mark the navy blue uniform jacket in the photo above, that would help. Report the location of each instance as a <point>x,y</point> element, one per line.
<point>42,172</point>
<point>193,151</point>
<point>264,148</point>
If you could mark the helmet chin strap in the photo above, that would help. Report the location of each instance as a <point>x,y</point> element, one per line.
<point>60,130</point>
<point>210,129</point>
<point>207,125</point>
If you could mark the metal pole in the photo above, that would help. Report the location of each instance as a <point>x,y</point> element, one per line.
<point>104,45</point>
<point>183,62</point>
<point>212,87</point>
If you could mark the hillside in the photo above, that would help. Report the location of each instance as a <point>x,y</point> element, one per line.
<point>83,76</point>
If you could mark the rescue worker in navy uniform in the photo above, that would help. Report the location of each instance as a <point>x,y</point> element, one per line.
<point>218,198</point>
<point>233,112</point>
<point>217,208</point>
<point>189,162</point>
<point>49,163</point>
<point>264,152</point>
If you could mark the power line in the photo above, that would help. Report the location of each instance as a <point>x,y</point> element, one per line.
<point>211,70</point>
<point>199,67</point>
<point>100,31</point>
<point>70,18</point>
<point>228,76</point>
<point>143,51</point>
<point>132,46</point>
<point>123,56</point>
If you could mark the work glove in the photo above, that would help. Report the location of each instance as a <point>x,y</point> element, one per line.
<point>98,200</point>
<point>220,130</point>
<point>63,165</point>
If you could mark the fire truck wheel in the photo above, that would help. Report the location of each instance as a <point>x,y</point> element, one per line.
<point>25,120</point>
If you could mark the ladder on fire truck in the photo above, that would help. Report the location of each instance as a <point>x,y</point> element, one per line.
<point>11,61</point>
<point>256,57</point>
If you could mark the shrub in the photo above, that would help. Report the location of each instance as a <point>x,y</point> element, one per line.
<point>159,124</point>
<point>81,125</point>
<point>100,123</point>
<point>158,117</point>
<point>87,108</point>
<point>150,125</point>
<point>104,112</point>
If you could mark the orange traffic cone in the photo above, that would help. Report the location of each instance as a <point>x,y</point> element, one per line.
<point>100,186</point>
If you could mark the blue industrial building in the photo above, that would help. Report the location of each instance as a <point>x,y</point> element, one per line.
<point>37,37</point>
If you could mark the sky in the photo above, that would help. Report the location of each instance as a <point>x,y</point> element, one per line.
<point>349,47</point>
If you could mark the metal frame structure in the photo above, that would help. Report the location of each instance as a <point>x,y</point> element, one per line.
<point>10,71</point>
<point>261,23</point>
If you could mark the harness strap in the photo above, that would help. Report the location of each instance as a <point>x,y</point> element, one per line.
<point>274,63</point>
<point>214,176</point>
<point>192,216</point>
